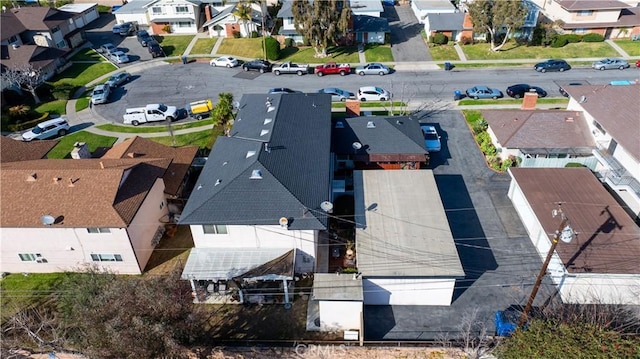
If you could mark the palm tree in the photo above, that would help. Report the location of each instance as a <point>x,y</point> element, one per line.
<point>243,13</point>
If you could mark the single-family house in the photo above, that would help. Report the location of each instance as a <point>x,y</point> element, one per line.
<point>11,29</point>
<point>48,27</point>
<point>609,18</point>
<point>288,28</point>
<point>550,138</point>
<point>221,21</point>
<point>405,250</point>
<point>45,59</point>
<point>615,134</point>
<point>600,264</point>
<point>260,197</point>
<point>454,25</point>
<point>163,16</point>
<point>13,150</point>
<point>370,29</point>
<point>422,8</point>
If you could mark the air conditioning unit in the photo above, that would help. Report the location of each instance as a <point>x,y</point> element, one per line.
<point>41,260</point>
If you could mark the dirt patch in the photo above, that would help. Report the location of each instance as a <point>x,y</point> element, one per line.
<point>333,352</point>
<point>172,252</point>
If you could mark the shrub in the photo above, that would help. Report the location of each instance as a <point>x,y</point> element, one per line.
<point>254,34</point>
<point>272,48</point>
<point>573,38</point>
<point>592,37</point>
<point>18,111</point>
<point>574,164</point>
<point>509,162</point>
<point>559,41</point>
<point>488,148</point>
<point>494,162</point>
<point>24,125</point>
<point>63,91</point>
<point>166,29</point>
<point>479,126</point>
<point>466,40</point>
<point>288,42</point>
<point>440,39</point>
<point>236,34</point>
<point>12,97</point>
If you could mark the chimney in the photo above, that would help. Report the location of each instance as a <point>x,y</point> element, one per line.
<point>207,12</point>
<point>353,108</point>
<point>101,165</point>
<point>529,101</point>
<point>80,151</point>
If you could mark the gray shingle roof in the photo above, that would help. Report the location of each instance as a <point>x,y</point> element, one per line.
<point>391,135</point>
<point>365,23</point>
<point>288,145</point>
<point>443,22</point>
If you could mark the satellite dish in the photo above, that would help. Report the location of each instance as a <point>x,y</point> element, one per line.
<point>236,105</point>
<point>327,206</point>
<point>283,221</point>
<point>566,235</point>
<point>47,220</point>
<point>356,145</point>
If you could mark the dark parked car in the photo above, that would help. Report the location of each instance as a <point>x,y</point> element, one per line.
<point>552,65</point>
<point>518,91</point>
<point>563,92</point>
<point>155,49</point>
<point>127,28</point>
<point>258,65</point>
<point>283,90</point>
<point>143,37</point>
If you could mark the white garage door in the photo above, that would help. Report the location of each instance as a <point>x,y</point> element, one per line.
<point>408,291</point>
<point>91,15</point>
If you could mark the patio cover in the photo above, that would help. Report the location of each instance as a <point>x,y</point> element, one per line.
<point>229,263</point>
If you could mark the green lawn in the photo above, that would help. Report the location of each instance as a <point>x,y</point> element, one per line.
<point>630,47</point>
<point>57,107</point>
<point>491,64</point>
<point>153,129</point>
<point>203,46</point>
<point>306,55</point>
<point>514,51</point>
<point>202,139</point>
<point>245,47</point>
<point>87,55</point>
<point>82,103</point>
<point>79,74</point>
<point>174,45</point>
<point>472,116</point>
<point>20,291</point>
<point>378,53</point>
<point>443,53</point>
<point>64,148</point>
<point>511,101</point>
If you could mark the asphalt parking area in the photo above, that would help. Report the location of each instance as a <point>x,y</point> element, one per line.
<point>247,75</point>
<point>100,32</point>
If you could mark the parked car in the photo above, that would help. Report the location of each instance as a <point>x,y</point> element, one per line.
<point>337,95</point>
<point>107,48</point>
<point>200,109</point>
<point>563,92</point>
<point>283,90</point>
<point>608,64</point>
<point>290,68</point>
<point>373,93</point>
<point>224,61</point>
<point>118,79</point>
<point>47,129</point>
<point>258,65</point>
<point>431,138</point>
<point>150,113</point>
<point>552,65</point>
<point>478,92</point>
<point>143,37</point>
<point>116,29</point>
<point>127,28</point>
<point>332,68</point>
<point>638,63</point>
<point>372,69</point>
<point>518,91</point>
<point>155,49</point>
<point>100,94</point>
<point>119,57</point>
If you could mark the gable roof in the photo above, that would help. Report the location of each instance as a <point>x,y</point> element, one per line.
<point>577,5</point>
<point>366,5</point>
<point>226,12</point>
<point>608,240</point>
<point>446,21</point>
<point>434,5</point>
<point>142,148</point>
<point>287,145</point>
<point>390,135</point>
<point>39,18</point>
<point>541,129</point>
<point>366,23</point>
<point>89,192</point>
<point>10,25</point>
<point>37,56</point>
<point>13,150</point>
<point>619,124</point>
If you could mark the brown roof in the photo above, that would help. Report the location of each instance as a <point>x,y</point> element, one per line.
<point>576,5</point>
<point>98,197</point>
<point>181,158</point>
<point>10,25</point>
<point>608,240</point>
<point>41,18</point>
<point>13,150</point>
<point>628,17</point>
<point>37,56</point>
<point>540,129</point>
<point>623,123</point>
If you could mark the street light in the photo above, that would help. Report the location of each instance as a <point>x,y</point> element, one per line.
<point>564,233</point>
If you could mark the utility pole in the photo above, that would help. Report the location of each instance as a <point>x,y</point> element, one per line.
<point>563,233</point>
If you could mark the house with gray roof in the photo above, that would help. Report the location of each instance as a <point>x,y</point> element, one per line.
<point>454,25</point>
<point>263,187</point>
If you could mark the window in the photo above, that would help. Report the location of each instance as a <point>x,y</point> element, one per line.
<point>580,31</point>
<point>182,9</point>
<point>214,229</point>
<point>55,29</point>
<point>13,39</point>
<point>184,24</point>
<point>106,257</point>
<point>61,45</point>
<point>157,10</point>
<point>585,13</point>
<point>98,230</point>
<point>29,257</point>
<point>162,205</point>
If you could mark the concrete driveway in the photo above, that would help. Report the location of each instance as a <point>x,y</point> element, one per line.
<point>498,258</point>
<point>407,44</point>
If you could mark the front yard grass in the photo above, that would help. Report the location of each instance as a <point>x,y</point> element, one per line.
<point>152,129</point>
<point>87,54</point>
<point>95,143</point>
<point>513,50</point>
<point>203,46</point>
<point>245,47</point>
<point>80,74</point>
<point>306,55</point>
<point>443,53</point>
<point>82,103</point>
<point>630,47</point>
<point>378,53</point>
<point>202,139</point>
<point>174,45</point>
<point>511,101</point>
<point>57,107</point>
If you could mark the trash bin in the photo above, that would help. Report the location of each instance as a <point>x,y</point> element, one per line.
<point>184,60</point>
<point>457,95</point>
<point>447,66</point>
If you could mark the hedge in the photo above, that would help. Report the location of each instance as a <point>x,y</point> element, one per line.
<point>440,39</point>
<point>24,125</point>
<point>592,37</point>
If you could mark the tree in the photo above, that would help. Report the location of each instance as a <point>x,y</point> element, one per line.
<point>243,12</point>
<point>497,17</point>
<point>222,113</point>
<point>25,77</point>
<point>321,23</point>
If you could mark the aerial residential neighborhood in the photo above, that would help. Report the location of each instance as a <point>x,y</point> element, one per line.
<point>436,173</point>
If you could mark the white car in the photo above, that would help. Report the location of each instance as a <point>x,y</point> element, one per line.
<point>431,138</point>
<point>100,94</point>
<point>372,69</point>
<point>373,93</point>
<point>224,61</point>
<point>47,129</point>
<point>119,57</point>
<point>107,48</point>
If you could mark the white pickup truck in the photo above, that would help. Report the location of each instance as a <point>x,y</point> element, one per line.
<point>150,113</point>
<point>290,68</point>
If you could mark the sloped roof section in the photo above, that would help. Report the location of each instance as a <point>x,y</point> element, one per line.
<point>378,135</point>
<point>41,18</point>
<point>37,56</point>
<point>10,25</point>
<point>446,21</point>
<point>366,23</point>
<point>229,263</point>
<point>275,164</point>
<point>13,150</point>
<point>577,5</point>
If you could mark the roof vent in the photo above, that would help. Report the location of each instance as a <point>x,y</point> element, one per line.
<point>32,177</point>
<point>371,124</point>
<point>256,174</point>
<point>398,122</point>
<point>225,163</point>
<point>132,155</point>
<point>250,153</point>
<point>568,119</point>
<point>271,108</point>
<point>339,124</point>
<point>264,132</point>
<point>266,147</point>
<point>267,121</point>
<point>72,182</point>
<point>218,181</point>
<point>583,99</point>
<point>56,180</point>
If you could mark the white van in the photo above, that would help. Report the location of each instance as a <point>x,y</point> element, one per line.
<point>47,129</point>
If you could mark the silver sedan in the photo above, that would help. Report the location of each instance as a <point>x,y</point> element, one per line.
<point>373,68</point>
<point>608,64</point>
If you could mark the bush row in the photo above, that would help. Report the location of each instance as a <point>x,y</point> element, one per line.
<point>28,124</point>
<point>562,40</point>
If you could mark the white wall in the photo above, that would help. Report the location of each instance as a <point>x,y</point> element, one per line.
<point>592,288</point>
<point>340,315</point>
<point>262,237</point>
<point>407,291</point>
<point>556,12</point>
<point>141,19</point>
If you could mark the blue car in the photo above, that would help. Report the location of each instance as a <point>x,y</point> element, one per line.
<point>478,92</point>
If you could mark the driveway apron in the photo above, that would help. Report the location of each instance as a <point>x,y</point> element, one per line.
<point>406,41</point>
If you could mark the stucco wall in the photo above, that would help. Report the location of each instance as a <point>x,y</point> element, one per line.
<point>600,289</point>
<point>408,291</point>
<point>340,315</point>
